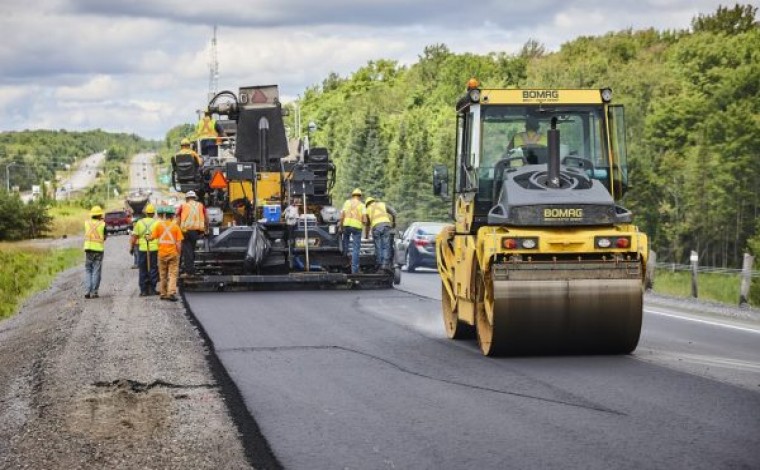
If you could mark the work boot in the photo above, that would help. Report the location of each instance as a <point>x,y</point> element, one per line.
<point>143,294</point>
<point>87,295</point>
<point>94,295</point>
<point>172,298</point>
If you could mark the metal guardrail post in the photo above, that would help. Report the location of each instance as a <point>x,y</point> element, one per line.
<point>651,265</point>
<point>694,258</point>
<point>746,279</point>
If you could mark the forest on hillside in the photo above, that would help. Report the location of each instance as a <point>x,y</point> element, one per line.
<point>692,101</point>
<point>36,155</point>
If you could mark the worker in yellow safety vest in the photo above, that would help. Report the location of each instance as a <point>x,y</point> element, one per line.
<point>193,221</point>
<point>531,136</point>
<point>169,238</point>
<point>207,131</point>
<point>353,217</point>
<point>94,247</point>
<point>184,149</point>
<point>381,219</point>
<point>147,251</point>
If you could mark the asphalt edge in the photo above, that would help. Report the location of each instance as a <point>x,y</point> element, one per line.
<point>257,450</point>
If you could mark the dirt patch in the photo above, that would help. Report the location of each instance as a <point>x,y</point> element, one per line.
<point>116,382</point>
<point>120,412</point>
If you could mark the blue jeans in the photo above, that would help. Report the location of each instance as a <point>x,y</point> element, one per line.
<point>353,237</point>
<point>148,277</point>
<point>382,236</point>
<point>93,262</point>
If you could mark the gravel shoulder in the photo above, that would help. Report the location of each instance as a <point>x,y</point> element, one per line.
<point>116,382</point>
<point>700,307</point>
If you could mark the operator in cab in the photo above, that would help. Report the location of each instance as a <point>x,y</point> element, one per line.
<point>184,149</point>
<point>531,136</point>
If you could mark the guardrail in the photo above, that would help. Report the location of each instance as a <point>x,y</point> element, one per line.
<point>704,269</point>
<point>745,274</point>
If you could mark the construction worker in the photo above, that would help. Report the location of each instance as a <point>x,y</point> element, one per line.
<point>94,246</point>
<point>206,131</point>
<point>169,239</point>
<point>353,218</point>
<point>184,149</point>
<point>379,220</point>
<point>193,221</point>
<point>531,136</point>
<point>147,251</point>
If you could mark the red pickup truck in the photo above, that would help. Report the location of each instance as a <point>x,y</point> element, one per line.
<point>118,221</point>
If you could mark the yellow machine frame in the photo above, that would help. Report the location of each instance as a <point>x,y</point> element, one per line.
<point>466,256</point>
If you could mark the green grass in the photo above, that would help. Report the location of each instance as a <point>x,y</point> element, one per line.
<point>68,219</point>
<point>28,270</point>
<point>717,287</point>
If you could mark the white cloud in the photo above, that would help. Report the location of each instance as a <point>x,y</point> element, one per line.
<point>143,66</point>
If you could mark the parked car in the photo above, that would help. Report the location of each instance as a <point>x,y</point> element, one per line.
<point>118,221</point>
<point>416,247</point>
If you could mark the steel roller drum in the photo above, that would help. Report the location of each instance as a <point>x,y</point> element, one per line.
<point>594,316</point>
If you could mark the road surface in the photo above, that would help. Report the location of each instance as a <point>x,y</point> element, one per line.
<point>368,380</point>
<point>82,176</point>
<point>142,176</point>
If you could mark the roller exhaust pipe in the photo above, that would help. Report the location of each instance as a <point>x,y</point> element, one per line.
<point>553,180</point>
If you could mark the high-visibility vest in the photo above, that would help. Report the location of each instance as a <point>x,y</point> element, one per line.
<point>192,153</point>
<point>166,237</point>
<point>94,235</point>
<point>142,229</point>
<point>206,128</point>
<point>353,210</point>
<point>378,214</point>
<point>530,138</point>
<point>192,217</point>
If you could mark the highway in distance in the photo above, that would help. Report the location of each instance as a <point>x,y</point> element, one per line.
<point>367,379</point>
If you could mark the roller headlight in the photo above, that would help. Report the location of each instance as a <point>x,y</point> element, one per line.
<point>603,242</point>
<point>474,95</point>
<point>529,243</point>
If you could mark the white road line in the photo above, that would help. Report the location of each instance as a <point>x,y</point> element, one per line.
<point>708,322</point>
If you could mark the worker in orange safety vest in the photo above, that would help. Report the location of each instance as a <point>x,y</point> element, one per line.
<point>169,238</point>
<point>193,221</point>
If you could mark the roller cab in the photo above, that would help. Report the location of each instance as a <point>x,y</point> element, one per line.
<point>542,257</point>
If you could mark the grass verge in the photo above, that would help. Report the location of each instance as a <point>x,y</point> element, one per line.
<point>68,219</point>
<point>722,288</point>
<point>28,270</point>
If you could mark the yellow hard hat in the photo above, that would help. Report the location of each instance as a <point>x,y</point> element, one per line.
<point>184,141</point>
<point>356,192</point>
<point>369,201</point>
<point>149,209</point>
<point>95,211</point>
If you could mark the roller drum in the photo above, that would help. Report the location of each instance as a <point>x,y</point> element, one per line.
<point>571,315</point>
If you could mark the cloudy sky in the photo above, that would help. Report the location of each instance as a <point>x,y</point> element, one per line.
<point>142,66</point>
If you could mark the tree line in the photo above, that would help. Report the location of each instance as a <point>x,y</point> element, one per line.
<point>692,101</point>
<point>34,156</point>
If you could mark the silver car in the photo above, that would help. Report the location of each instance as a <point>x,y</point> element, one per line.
<point>416,247</point>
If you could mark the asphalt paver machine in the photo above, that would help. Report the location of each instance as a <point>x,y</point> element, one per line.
<point>247,181</point>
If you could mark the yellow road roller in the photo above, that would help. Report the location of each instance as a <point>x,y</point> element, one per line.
<point>541,258</point>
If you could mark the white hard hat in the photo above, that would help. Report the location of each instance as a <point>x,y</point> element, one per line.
<point>190,194</point>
